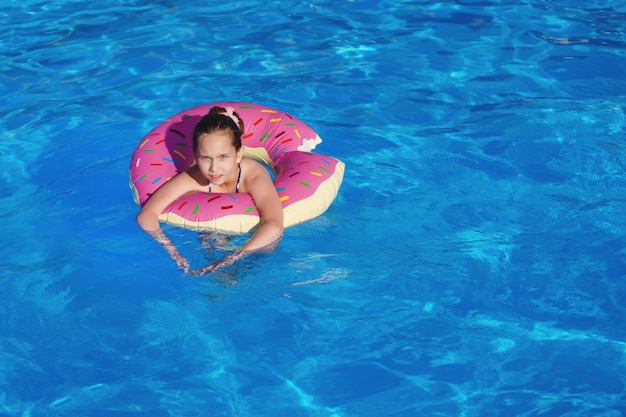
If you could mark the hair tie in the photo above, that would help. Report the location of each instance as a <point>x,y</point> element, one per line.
<point>230,112</point>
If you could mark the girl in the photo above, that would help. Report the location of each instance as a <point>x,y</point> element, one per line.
<point>219,167</point>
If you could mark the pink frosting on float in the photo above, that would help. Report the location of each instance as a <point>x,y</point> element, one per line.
<point>307,183</point>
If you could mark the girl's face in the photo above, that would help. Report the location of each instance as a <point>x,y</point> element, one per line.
<point>217,158</point>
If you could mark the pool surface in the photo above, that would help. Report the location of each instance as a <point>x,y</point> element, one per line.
<point>473,264</point>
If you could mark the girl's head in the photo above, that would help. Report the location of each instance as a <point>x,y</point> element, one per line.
<point>220,120</point>
<point>217,146</point>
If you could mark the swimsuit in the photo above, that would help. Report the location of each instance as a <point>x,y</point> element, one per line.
<point>238,179</point>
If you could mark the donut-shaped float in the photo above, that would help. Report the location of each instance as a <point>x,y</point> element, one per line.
<point>307,183</point>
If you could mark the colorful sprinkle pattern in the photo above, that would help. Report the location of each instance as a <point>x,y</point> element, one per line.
<point>307,183</point>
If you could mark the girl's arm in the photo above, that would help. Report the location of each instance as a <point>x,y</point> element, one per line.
<point>148,217</point>
<point>267,202</point>
<point>172,250</point>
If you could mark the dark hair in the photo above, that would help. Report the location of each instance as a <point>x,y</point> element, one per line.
<point>217,120</point>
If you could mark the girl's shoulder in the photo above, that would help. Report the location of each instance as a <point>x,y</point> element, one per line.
<point>252,166</point>
<point>252,170</point>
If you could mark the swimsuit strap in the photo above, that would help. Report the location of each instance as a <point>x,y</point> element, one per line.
<point>238,180</point>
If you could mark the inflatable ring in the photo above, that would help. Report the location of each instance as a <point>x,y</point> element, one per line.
<point>307,183</point>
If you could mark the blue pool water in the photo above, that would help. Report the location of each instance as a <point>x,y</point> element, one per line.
<point>474,263</point>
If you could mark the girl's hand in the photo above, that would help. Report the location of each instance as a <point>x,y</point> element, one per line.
<point>202,271</point>
<point>229,260</point>
<point>182,263</point>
